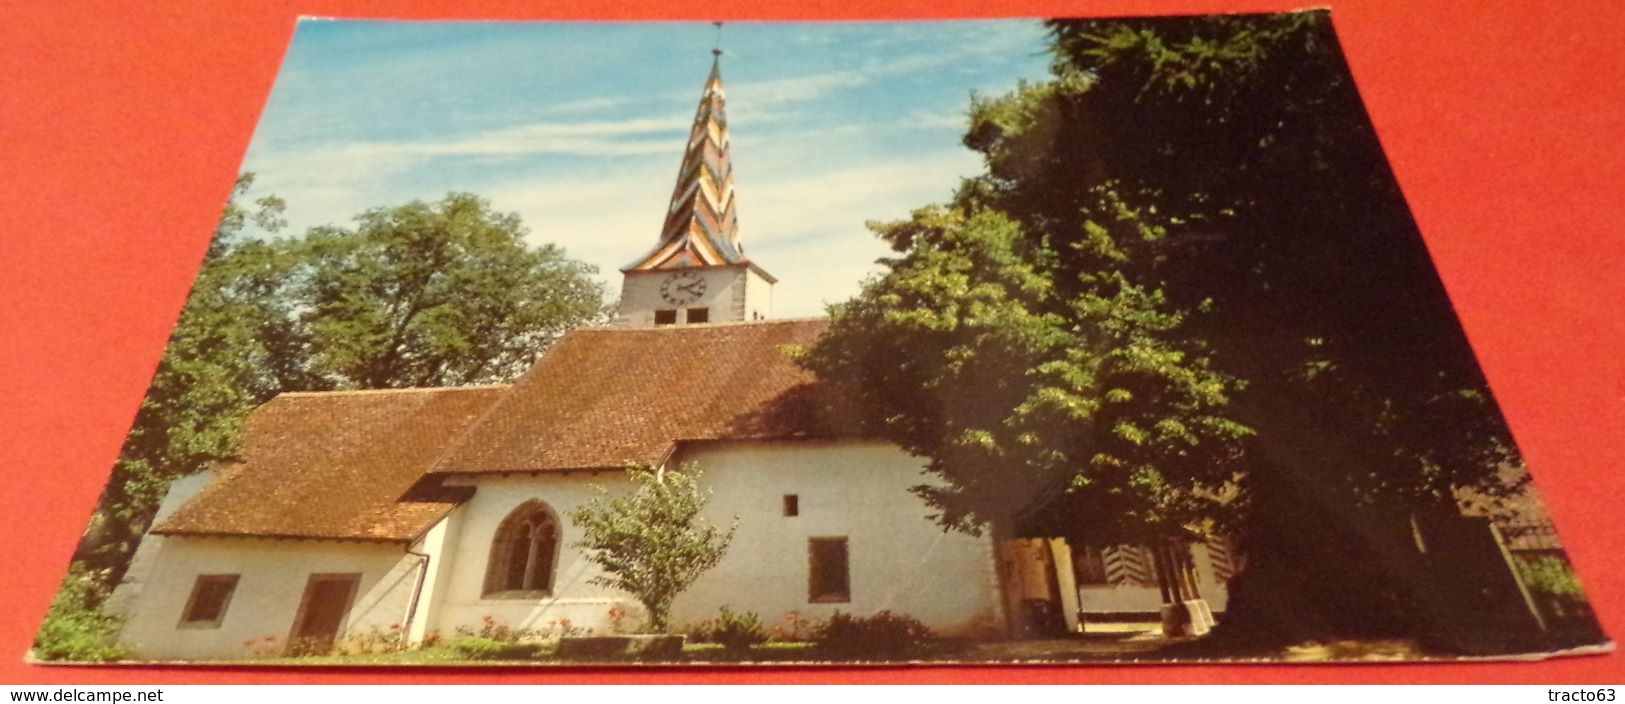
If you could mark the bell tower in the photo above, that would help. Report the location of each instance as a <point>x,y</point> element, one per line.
<point>697,272</point>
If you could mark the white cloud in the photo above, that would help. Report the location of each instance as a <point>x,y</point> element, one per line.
<point>605,218</point>
<point>805,227</point>
<point>601,138</point>
<point>766,95</point>
<point>939,120</point>
<point>585,105</point>
<point>325,181</point>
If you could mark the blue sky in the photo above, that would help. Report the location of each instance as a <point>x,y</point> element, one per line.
<point>579,128</point>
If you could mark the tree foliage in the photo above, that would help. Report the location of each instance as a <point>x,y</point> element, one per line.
<point>1037,403</point>
<point>1228,162</point>
<point>1216,181</point>
<point>651,542</point>
<point>435,294</point>
<point>75,628</point>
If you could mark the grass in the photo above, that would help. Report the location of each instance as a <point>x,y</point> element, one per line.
<point>1095,648</point>
<point>693,654</point>
<point>446,655</point>
<point>436,655</point>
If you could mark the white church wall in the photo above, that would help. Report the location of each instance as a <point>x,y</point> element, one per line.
<point>898,558</point>
<point>128,592</point>
<point>272,579</point>
<point>756,303</point>
<point>461,603</point>
<point>437,547</point>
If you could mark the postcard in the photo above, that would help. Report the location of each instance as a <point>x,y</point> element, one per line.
<point>1067,340</point>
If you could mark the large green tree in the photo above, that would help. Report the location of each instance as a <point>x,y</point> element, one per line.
<point>435,294</point>
<point>1227,165</point>
<point>422,294</point>
<point>1044,408</point>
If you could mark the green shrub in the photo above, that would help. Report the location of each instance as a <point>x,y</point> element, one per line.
<point>75,628</point>
<point>736,630</point>
<point>796,629</point>
<point>477,648</point>
<point>882,634</point>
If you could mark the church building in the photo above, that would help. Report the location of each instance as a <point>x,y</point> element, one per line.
<point>426,511</point>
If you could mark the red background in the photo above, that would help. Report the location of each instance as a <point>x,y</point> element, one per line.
<point>122,126</point>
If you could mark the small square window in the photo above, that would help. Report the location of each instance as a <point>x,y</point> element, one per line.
<point>211,595</point>
<point>828,576</point>
<point>792,505</point>
<point>699,315</point>
<point>665,317</point>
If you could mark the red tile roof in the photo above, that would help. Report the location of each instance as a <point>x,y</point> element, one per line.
<point>335,465</point>
<point>606,397</point>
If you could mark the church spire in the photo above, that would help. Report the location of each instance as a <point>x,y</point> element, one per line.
<point>697,272</point>
<point>701,228</point>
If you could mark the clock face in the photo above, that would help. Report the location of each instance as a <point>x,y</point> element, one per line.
<point>682,288</point>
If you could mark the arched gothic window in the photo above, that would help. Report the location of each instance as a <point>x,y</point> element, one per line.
<point>524,553</point>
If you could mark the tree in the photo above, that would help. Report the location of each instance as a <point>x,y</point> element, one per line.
<point>1224,166</point>
<point>1091,391</point>
<point>651,543</point>
<point>1230,163</point>
<point>438,294</point>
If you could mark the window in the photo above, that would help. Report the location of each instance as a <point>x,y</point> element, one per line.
<point>828,579</point>
<point>211,594</point>
<point>792,505</point>
<point>665,317</point>
<point>523,554</point>
<point>699,315</point>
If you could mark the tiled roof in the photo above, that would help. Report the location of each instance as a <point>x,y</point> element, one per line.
<point>363,465</point>
<point>605,397</point>
<point>335,465</point>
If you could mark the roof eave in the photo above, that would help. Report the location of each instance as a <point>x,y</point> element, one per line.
<point>183,533</point>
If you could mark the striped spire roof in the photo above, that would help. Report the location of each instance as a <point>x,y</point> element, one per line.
<point>701,228</point>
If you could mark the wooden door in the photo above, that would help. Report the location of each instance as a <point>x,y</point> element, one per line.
<point>321,612</point>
